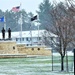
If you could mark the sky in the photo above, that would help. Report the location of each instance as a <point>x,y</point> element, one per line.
<point>28,5</point>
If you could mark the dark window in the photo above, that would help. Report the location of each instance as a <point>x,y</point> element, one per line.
<point>16,39</point>
<point>22,39</point>
<point>39,38</point>
<point>26,39</point>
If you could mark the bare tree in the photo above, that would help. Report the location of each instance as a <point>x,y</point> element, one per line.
<point>71,9</point>
<point>63,27</point>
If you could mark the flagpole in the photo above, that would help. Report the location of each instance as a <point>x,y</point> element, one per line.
<point>32,19</point>
<point>16,9</point>
<point>4,23</point>
<point>31,33</point>
<point>38,34</point>
<point>21,28</point>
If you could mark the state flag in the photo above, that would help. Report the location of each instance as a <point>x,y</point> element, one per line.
<point>2,19</point>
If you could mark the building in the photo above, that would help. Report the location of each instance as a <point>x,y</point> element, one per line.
<point>29,38</point>
<point>10,49</point>
<point>24,43</point>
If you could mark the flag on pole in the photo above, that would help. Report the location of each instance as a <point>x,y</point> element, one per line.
<point>2,19</point>
<point>34,18</point>
<point>16,9</point>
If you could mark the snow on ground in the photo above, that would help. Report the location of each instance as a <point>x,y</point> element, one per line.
<point>40,65</point>
<point>70,53</point>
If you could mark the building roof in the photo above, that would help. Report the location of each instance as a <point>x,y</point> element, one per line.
<point>34,33</point>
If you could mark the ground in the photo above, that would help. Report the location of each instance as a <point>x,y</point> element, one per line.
<point>41,65</point>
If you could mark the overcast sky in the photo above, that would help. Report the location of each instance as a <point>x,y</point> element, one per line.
<point>28,5</point>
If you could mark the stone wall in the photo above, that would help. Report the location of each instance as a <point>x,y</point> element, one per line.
<point>33,50</point>
<point>11,49</point>
<point>8,47</point>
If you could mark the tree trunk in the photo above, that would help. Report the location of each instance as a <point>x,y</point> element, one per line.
<point>62,63</point>
<point>52,59</point>
<point>67,69</point>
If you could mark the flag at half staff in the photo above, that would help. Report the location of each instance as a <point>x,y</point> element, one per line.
<point>34,18</point>
<point>2,19</point>
<point>16,9</point>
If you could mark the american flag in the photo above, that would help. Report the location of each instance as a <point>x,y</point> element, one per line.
<point>16,9</point>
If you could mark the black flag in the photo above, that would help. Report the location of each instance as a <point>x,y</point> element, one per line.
<point>34,18</point>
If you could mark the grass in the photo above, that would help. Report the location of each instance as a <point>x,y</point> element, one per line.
<point>41,65</point>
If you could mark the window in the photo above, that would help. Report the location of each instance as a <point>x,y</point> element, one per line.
<point>26,39</point>
<point>22,39</point>
<point>16,39</point>
<point>39,38</point>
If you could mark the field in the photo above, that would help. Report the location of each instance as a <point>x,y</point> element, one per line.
<point>40,65</point>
